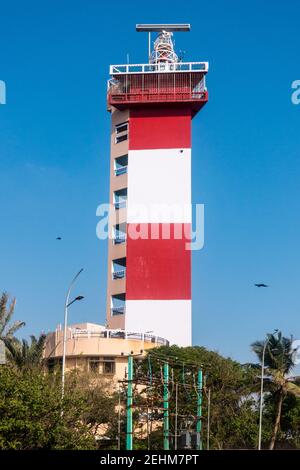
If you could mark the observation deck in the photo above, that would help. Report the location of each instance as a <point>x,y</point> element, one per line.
<point>158,83</point>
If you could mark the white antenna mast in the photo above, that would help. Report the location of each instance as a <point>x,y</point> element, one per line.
<point>163,46</point>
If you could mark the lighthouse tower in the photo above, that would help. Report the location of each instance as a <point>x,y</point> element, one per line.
<point>149,259</point>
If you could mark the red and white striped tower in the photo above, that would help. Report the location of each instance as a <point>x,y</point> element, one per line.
<point>149,271</point>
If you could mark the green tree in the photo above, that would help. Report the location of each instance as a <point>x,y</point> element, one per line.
<point>24,355</point>
<point>279,361</point>
<point>100,414</point>
<point>33,415</point>
<point>7,330</point>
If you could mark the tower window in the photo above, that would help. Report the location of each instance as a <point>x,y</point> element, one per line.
<point>123,127</point>
<point>119,268</point>
<point>118,304</point>
<point>121,138</point>
<point>119,233</point>
<point>121,131</point>
<point>121,164</point>
<point>120,198</point>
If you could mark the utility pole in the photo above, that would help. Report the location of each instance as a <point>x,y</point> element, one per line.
<point>119,418</point>
<point>176,416</point>
<point>208,420</point>
<point>166,406</point>
<point>199,410</point>
<point>129,404</point>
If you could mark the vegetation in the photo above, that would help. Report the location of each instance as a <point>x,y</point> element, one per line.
<point>279,361</point>
<point>7,330</point>
<point>33,414</point>
<point>26,356</point>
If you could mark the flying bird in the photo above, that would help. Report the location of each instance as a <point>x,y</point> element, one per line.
<point>58,238</point>
<point>261,285</point>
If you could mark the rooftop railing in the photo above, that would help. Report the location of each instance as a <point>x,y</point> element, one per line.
<point>119,334</point>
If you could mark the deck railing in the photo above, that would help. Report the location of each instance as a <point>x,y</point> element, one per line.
<point>159,68</point>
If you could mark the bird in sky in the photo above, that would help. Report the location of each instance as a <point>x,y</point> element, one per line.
<point>58,238</point>
<point>261,285</point>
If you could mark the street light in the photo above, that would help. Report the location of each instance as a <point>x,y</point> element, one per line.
<point>262,388</point>
<point>67,304</point>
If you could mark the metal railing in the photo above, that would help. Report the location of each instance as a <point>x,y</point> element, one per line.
<point>118,274</point>
<point>160,67</point>
<point>119,334</point>
<point>153,88</point>
<point>118,310</point>
<point>120,204</point>
<point>121,171</point>
<point>118,240</point>
<point>157,97</point>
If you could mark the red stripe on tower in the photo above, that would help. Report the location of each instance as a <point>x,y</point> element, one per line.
<point>158,268</point>
<point>162,128</point>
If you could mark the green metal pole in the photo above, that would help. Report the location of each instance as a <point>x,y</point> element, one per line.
<point>129,404</point>
<point>166,407</point>
<point>199,409</point>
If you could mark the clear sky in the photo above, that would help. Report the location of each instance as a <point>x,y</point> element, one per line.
<point>54,156</point>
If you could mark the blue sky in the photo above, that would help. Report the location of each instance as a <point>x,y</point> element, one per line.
<point>54,157</point>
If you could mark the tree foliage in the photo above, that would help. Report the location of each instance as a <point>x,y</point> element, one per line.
<point>33,416</point>
<point>24,355</point>
<point>7,329</point>
<point>279,359</point>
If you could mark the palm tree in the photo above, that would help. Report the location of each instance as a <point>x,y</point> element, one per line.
<point>24,355</point>
<point>279,361</point>
<point>8,330</point>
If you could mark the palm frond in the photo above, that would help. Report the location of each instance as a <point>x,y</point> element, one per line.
<point>293,389</point>
<point>14,328</point>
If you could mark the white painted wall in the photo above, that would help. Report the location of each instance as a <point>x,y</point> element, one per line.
<point>170,319</point>
<point>159,186</point>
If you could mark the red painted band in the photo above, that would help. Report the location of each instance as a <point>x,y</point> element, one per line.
<point>158,268</point>
<point>159,128</point>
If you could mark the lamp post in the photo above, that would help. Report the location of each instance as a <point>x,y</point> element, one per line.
<point>67,305</point>
<point>262,388</point>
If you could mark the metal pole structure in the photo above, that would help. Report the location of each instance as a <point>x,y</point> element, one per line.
<point>176,415</point>
<point>199,409</point>
<point>129,404</point>
<point>119,419</point>
<point>262,392</point>
<point>148,430</point>
<point>208,420</point>
<point>65,334</point>
<point>149,46</point>
<point>166,407</point>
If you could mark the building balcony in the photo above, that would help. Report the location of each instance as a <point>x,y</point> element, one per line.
<point>119,240</point>
<point>118,310</point>
<point>118,274</point>
<point>121,170</point>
